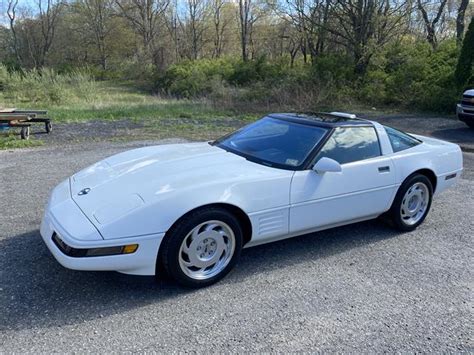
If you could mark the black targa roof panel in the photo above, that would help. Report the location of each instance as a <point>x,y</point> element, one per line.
<point>321,119</point>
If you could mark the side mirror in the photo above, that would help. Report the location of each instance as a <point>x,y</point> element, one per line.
<point>327,165</point>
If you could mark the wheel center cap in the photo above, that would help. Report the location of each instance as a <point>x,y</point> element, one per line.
<point>206,249</point>
<point>412,203</point>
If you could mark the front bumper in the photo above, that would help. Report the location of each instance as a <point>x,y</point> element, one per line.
<point>63,217</point>
<point>465,113</point>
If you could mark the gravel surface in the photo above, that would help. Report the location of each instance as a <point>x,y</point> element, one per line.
<point>359,288</point>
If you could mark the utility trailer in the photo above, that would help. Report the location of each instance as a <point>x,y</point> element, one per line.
<point>12,118</point>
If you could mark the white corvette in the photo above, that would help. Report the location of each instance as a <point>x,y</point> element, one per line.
<point>188,209</point>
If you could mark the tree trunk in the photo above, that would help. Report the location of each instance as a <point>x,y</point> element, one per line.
<point>460,21</point>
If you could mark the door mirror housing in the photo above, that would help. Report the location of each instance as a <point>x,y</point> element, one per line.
<point>327,165</point>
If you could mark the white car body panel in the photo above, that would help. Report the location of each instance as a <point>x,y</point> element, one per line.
<point>161,176</point>
<point>136,196</point>
<point>358,191</point>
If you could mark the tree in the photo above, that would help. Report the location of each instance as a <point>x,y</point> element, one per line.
<point>460,20</point>
<point>310,18</point>
<point>364,26</point>
<point>196,13</point>
<point>49,11</point>
<point>96,16</point>
<point>219,24</point>
<point>431,24</point>
<point>249,12</point>
<point>463,72</point>
<point>144,16</point>
<point>33,36</point>
<point>12,16</point>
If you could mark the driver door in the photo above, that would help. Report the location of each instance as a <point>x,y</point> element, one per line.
<point>363,189</point>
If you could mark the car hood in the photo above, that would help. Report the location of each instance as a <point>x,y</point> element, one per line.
<point>123,184</point>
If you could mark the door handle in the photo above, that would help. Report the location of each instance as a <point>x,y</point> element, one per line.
<point>384,169</point>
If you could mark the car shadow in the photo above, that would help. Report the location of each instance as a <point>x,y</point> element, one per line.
<point>38,292</point>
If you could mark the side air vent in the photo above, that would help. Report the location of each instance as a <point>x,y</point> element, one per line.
<point>271,222</point>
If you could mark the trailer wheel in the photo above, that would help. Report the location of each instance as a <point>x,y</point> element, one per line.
<point>49,127</point>
<point>25,132</point>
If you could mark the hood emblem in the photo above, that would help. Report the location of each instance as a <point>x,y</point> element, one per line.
<point>84,191</point>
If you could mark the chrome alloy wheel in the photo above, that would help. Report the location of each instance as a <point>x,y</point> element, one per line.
<point>207,250</point>
<point>414,203</point>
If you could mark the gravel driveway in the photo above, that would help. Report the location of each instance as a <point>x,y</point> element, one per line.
<point>359,288</point>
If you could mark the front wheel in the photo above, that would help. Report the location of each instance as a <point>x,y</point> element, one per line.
<point>412,203</point>
<point>202,248</point>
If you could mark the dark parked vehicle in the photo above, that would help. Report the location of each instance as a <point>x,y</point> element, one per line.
<point>465,108</point>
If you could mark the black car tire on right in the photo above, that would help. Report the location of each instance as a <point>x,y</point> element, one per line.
<point>469,123</point>
<point>394,215</point>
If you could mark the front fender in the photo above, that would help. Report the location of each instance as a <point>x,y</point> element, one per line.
<point>160,214</point>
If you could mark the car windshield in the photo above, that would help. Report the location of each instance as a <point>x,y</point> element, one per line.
<point>274,142</point>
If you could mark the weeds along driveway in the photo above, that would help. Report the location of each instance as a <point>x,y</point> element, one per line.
<point>359,288</point>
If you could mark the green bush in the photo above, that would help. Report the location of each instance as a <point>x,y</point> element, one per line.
<point>193,78</point>
<point>258,70</point>
<point>333,67</point>
<point>464,74</point>
<point>409,74</point>
<point>412,75</point>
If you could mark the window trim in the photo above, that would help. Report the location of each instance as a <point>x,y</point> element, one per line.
<point>313,162</point>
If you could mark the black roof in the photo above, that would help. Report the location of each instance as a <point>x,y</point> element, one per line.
<point>322,119</point>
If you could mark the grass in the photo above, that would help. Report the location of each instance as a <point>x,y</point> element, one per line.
<point>120,101</point>
<point>11,141</point>
<point>159,117</point>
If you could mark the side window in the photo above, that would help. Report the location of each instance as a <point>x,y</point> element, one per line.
<point>351,144</point>
<point>399,140</point>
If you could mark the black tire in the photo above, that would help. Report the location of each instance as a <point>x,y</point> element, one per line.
<point>25,133</point>
<point>48,127</point>
<point>169,256</point>
<point>394,215</point>
<point>470,124</point>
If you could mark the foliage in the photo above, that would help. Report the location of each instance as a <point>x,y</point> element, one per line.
<point>464,73</point>
<point>412,75</point>
<point>45,86</point>
<point>406,75</point>
<point>194,78</point>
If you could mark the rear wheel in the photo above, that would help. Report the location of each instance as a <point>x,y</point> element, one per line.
<point>202,248</point>
<point>412,203</point>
